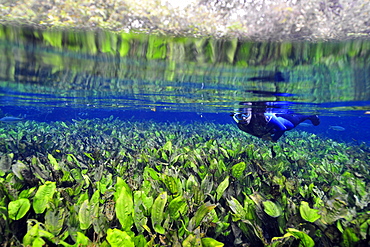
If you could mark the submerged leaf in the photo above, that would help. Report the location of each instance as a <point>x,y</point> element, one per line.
<point>124,204</point>
<point>158,212</point>
<point>172,183</point>
<point>43,196</point>
<point>81,240</point>
<point>18,208</point>
<point>54,220</point>
<point>6,162</point>
<point>177,207</point>
<point>168,146</point>
<point>18,168</point>
<point>349,238</point>
<point>236,207</point>
<point>192,241</point>
<point>238,169</point>
<point>221,188</point>
<point>53,162</point>
<point>84,215</point>
<point>308,213</point>
<point>207,184</point>
<point>272,209</point>
<point>305,239</point>
<point>118,238</point>
<point>210,242</point>
<point>202,211</point>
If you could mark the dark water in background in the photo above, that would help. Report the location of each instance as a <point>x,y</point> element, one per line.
<point>60,76</point>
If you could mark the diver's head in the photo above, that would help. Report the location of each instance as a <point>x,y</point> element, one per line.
<point>243,115</point>
<point>242,118</point>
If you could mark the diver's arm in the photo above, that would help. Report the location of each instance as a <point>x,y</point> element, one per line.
<point>274,122</point>
<point>277,127</point>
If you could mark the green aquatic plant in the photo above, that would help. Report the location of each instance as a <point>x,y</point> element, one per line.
<point>17,209</point>
<point>199,184</point>
<point>43,195</point>
<point>308,213</point>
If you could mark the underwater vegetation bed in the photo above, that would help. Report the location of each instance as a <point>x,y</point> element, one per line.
<point>125,183</point>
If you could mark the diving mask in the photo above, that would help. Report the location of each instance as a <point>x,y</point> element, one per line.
<point>244,118</point>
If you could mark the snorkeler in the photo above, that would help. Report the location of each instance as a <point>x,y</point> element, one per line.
<point>267,120</point>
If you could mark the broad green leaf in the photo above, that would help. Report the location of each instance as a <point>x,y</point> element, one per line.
<point>272,209</point>
<point>147,201</point>
<point>17,169</point>
<point>210,242</point>
<point>54,220</point>
<point>54,38</point>
<point>349,238</point>
<point>150,172</point>
<point>76,174</point>
<point>306,240</point>
<point>191,183</point>
<point>236,207</point>
<point>18,208</point>
<point>34,232</point>
<point>106,44</point>
<point>124,204</point>
<point>82,240</point>
<point>202,211</point>
<point>140,241</point>
<point>165,156</point>
<point>168,146</point>
<point>53,162</point>
<point>156,48</point>
<point>158,212</point>
<point>82,198</point>
<point>231,48</point>
<point>221,188</point>
<point>118,238</point>
<point>38,242</point>
<point>26,193</point>
<point>95,197</point>
<point>177,207</point>
<point>207,184</point>
<point>171,183</point>
<point>364,228</point>
<point>120,185</point>
<point>138,216</point>
<point>192,241</point>
<point>43,196</point>
<point>238,169</point>
<point>85,215</point>
<point>308,213</point>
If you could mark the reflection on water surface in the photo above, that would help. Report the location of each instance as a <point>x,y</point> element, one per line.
<point>137,71</point>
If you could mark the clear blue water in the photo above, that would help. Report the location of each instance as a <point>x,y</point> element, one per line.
<point>45,80</point>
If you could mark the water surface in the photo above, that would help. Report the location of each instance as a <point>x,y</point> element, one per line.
<point>61,75</point>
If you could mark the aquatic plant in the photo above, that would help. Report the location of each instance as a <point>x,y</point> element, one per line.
<point>114,183</point>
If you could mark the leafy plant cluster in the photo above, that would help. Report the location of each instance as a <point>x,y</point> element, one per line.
<point>126,183</point>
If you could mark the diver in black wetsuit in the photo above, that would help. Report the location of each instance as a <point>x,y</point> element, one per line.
<point>267,121</point>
